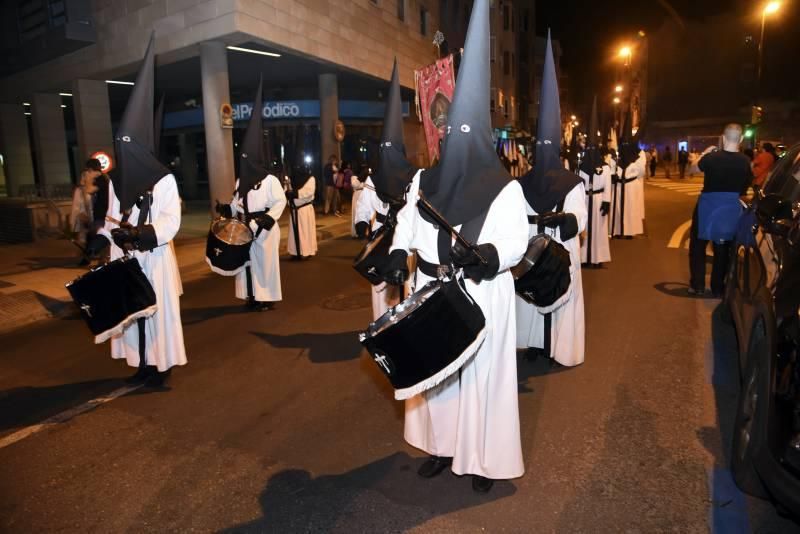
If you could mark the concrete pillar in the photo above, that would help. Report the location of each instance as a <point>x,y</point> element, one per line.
<point>328,115</point>
<point>92,119</point>
<point>50,140</point>
<point>219,140</point>
<point>187,149</point>
<point>15,148</point>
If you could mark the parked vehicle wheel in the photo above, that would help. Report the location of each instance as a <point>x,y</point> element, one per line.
<point>747,437</point>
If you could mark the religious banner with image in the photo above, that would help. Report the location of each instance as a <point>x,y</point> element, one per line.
<point>435,85</point>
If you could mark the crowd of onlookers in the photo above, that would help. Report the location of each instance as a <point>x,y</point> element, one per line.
<point>686,162</point>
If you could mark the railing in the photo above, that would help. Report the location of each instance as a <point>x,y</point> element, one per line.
<point>32,192</point>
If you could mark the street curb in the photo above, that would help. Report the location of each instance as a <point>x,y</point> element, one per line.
<point>27,307</point>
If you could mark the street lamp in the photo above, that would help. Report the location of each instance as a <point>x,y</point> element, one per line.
<point>769,9</point>
<point>625,53</point>
<point>618,89</point>
<point>573,117</point>
<point>617,100</point>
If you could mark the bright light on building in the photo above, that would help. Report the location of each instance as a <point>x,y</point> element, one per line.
<point>252,51</point>
<point>308,160</point>
<point>28,104</point>
<point>63,105</point>
<point>618,89</point>
<point>119,82</point>
<point>625,52</point>
<point>64,94</point>
<point>617,100</point>
<point>573,117</point>
<point>772,7</point>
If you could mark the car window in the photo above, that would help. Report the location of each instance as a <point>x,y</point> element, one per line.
<point>785,178</point>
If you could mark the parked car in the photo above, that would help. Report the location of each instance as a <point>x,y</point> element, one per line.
<point>763,297</point>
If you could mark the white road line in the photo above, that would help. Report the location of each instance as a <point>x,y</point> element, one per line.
<point>677,235</point>
<point>66,415</point>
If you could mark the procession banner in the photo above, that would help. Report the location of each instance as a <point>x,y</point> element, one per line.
<point>435,85</point>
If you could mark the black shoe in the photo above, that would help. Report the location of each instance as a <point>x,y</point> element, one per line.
<point>295,258</point>
<point>433,466</point>
<point>533,354</point>
<point>696,292</point>
<point>250,303</point>
<point>481,484</point>
<point>628,237</point>
<point>263,306</point>
<point>158,380</point>
<point>140,376</point>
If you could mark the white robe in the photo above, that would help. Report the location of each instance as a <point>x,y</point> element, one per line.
<point>306,221</point>
<point>594,242</point>
<point>164,346</point>
<point>567,321</point>
<point>265,267</point>
<point>473,416</point>
<point>358,188</point>
<point>628,219</point>
<point>366,209</point>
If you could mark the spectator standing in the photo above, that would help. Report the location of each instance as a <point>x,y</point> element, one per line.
<point>667,159</point>
<point>653,156</point>
<point>331,194</point>
<point>763,163</point>
<point>726,171</point>
<point>683,161</point>
<point>81,217</point>
<point>694,159</point>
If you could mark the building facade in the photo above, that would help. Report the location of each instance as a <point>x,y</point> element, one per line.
<point>322,61</point>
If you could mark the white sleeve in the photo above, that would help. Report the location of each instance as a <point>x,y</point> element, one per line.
<point>356,184</point>
<point>407,218</point>
<point>509,226</point>
<point>306,193</point>
<point>168,221</point>
<point>277,196</point>
<point>113,212</point>
<point>575,203</point>
<point>605,178</point>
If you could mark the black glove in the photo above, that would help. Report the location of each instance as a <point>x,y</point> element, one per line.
<point>605,207</point>
<point>566,222</point>
<point>129,237</point>
<point>396,268</point>
<point>224,210</point>
<point>291,194</point>
<point>362,229</point>
<point>265,221</point>
<point>96,245</point>
<point>468,259</point>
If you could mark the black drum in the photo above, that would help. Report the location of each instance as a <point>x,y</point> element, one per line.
<point>368,261</point>
<point>544,274</point>
<point>228,246</point>
<point>112,296</point>
<point>427,337</point>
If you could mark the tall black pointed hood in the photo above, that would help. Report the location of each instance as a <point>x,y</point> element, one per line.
<point>592,155</point>
<point>301,169</point>
<point>252,161</point>
<point>628,146</point>
<point>394,170</point>
<point>469,175</point>
<point>138,169</point>
<point>548,183</point>
<point>158,125</point>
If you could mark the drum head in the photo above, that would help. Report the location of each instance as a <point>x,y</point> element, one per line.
<point>232,231</point>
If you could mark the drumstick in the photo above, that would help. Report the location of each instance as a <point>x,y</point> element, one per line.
<point>438,217</point>
<point>111,219</point>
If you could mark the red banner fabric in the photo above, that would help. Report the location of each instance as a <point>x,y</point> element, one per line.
<point>435,85</point>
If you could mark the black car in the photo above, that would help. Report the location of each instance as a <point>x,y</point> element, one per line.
<point>763,297</point>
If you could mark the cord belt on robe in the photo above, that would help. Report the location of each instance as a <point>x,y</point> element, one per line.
<point>434,270</point>
<point>597,192</point>
<point>253,214</point>
<point>304,205</point>
<point>627,180</point>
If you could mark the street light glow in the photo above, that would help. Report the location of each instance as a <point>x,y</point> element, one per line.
<point>625,52</point>
<point>618,89</point>
<point>772,7</point>
<point>617,100</point>
<point>573,117</point>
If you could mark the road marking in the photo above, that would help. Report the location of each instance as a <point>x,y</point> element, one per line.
<point>66,415</point>
<point>677,236</point>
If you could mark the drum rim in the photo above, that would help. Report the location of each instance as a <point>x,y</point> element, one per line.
<point>371,245</point>
<point>524,266</point>
<point>122,259</point>
<point>404,309</point>
<point>232,220</point>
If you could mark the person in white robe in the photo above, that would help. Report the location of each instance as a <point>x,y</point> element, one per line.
<point>260,283</point>
<point>143,216</point>
<point>596,175</point>
<point>628,210</point>
<point>470,422</point>
<point>302,197</point>
<point>357,185</point>
<point>556,205</point>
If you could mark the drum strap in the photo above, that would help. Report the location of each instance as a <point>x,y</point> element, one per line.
<point>471,230</point>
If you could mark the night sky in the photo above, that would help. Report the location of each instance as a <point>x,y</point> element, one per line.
<point>590,31</point>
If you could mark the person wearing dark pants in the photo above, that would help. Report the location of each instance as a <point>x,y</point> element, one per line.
<point>726,171</point>
<point>697,263</point>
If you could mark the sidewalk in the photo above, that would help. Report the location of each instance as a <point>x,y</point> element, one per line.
<point>32,275</point>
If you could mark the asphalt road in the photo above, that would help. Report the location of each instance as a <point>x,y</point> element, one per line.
<point>280,423</point>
